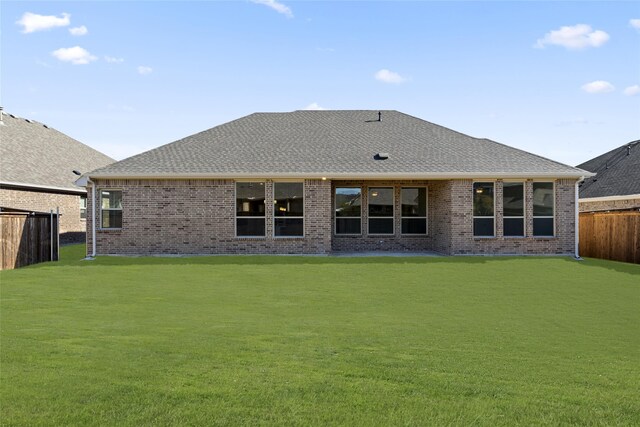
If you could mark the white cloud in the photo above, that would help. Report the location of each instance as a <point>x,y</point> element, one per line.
<point>387,76</point>
<point>632,90</point>
<point>579,36</point>
<point>314,106</point>
<point>32,22</point>
<point>142,70</point>
<point>113,60</point>
<point>78,31</point>
<point>635,23</point>
<point>76,55</point>
<point>599,86</point>
<point>278,7</point>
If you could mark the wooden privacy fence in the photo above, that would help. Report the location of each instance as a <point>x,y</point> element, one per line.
<point>610,235</point>
<point>28,238</point>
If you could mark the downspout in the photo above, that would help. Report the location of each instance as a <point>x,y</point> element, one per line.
<point>93,217</point>
<point>577,221</point>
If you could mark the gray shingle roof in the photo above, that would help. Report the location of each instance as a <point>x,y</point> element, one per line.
<point>617,173</point>
<point>333,144</point>
<point>34,155</point>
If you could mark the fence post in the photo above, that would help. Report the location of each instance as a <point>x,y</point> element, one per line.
<point>58,233</point>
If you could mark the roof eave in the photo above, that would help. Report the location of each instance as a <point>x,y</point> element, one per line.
<point>51,188</point>
<point>578,174</point>
<point>610,198</point>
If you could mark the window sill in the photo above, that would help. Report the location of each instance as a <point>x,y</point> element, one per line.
<point>484,237</point>
<point>109,229</point>
<point>250,237</point>
<point>288,237</point>
<point>544,237</point>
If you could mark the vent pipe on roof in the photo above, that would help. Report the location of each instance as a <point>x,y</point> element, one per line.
<point>379,116</point>
<point>1,116</point>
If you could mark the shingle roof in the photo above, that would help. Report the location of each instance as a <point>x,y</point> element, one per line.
<point>333,144</point>
<point>617,172</point>
<point>32,154</point>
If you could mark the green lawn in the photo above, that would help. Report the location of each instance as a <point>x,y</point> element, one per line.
<point>320,340</point>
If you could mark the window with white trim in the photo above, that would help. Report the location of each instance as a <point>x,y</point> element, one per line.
<point>513,209</point>
<point>348,206</point>
<point>543,209</point>
<point>414,210</point>
<point>483,209</point>
<point>250,209</point>
<point>111,209</point>
<point>288,209</point>
<point>83,207</point>
<point>380,201</point>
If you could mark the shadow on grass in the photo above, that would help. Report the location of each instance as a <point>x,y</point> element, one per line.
<point>73,256</point>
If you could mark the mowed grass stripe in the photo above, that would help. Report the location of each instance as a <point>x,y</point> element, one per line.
<point>320,340</point>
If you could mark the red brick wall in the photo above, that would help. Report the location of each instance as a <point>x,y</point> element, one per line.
<point>69,204</point>
<point>609,205</point>
<point>463,241</point>
<point>198,217</point>
<point>437,214</point>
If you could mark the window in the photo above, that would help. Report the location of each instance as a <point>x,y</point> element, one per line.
<point>250,210</point>
<point>348,204</point>
<point>380,210</point>
<point>83,207</point>
<point>513,209</point>
<point>483,209</point>
<point>111,208</point>
<point>414,210</point>
<point>288,213</point>
<point>543,206</point>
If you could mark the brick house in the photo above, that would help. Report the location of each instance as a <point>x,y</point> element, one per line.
<point>616,184</point>
<point>319,182</point>
<point>36,172</point>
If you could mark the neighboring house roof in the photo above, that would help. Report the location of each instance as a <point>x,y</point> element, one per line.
<point>334,144</point>
<point>36,156</point>
<point>617,173</point>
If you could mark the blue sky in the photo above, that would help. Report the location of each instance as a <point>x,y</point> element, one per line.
<point>560,79</point>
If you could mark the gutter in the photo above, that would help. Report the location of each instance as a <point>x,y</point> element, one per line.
<point>610,198</point>
<point>340,175</point>
<point>577,221</point>
<point>93,217</point>
<point>84,181</point>
<point>51,188</point>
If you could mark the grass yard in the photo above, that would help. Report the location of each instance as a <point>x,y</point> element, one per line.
<point>320,341</point>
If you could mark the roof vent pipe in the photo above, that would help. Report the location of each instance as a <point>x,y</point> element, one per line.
<point>379,116</point>
<point>1,116</point>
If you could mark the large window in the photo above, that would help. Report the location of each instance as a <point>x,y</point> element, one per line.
<point>543,209</point>
<point>513,209</point>
<point>83,207</point>
<point>111,208</point>
<point>414,210</point>
<point>250,209</point>
<point>348,204</point>
<point>380,210</point>
<point>288,213</point>
<point>483,209</point>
